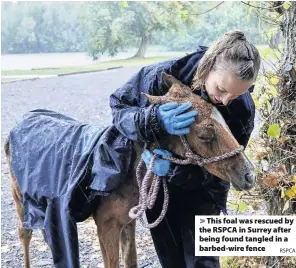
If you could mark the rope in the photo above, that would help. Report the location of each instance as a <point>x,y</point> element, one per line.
<point>195,159</point>
<point>147,200</point>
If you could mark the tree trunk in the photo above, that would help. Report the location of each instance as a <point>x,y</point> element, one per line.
<point>143,47</point>
<point>284,110</point>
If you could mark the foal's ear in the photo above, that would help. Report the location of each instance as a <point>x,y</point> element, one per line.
<point>169,80</point>
<point>174,87</point>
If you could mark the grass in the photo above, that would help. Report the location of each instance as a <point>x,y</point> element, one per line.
<point>8,80</point>
<point>93,67</point>
<point>263,49</point>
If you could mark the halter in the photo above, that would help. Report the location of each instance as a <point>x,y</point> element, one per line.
<point>147,199</point>
<point>196,159</point>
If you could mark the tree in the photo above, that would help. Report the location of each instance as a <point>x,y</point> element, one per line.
<point>41,27</point>
<point>209,22</point>
<point>117,25</point>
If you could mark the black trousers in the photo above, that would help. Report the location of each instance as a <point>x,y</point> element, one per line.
<point>174,237</point>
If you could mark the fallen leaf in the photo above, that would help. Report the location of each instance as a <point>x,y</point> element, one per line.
<point>282,171</point>
<point>260,156</point>
<point>270,179</point>
<point>44,262</point>
<point>273,91</point>
<point>274,80</point>
<point>242,206</point>
<point>255,205</point>
<point>282,193</point>
<point>287,5</point>
<point>265,165</point>
<point>144,257</point>
<point>5,248</point>
<point>286,206</point>
<point>232,207</point>
<point>291,193</point>
<point>274,131</point>
<point>42,248</point>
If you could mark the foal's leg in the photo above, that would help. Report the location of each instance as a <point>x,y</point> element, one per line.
<point>103,251</point>
<point>109,232</point>
<point>25,235</point>
<point>111,216</point>
<point>128,245</point>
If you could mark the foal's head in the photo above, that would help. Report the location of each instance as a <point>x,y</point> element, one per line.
<point>209,136</point>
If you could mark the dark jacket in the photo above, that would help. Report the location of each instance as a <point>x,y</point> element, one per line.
<point>138,120</point>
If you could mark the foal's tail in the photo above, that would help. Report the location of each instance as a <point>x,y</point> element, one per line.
<point>6,147</point>
<point>14,184</point>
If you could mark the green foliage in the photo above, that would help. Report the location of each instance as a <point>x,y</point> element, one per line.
<point>268,53</point>
<point>242,206</point>
<point>287,5</point>
<point>41,27</point>
<point>274,131</point>
<point>113,26</point>
<point>237,205</point>
<point>204,29</point>
<point>105,27</point>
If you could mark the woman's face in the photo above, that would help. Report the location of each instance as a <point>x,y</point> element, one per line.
<point>223,87</point>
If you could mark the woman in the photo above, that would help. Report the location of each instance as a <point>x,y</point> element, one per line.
<point>222,75</point>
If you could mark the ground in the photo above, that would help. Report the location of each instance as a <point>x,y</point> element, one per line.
<point>86,98</point>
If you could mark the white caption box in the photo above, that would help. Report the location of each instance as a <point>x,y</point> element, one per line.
<point>245,235</point>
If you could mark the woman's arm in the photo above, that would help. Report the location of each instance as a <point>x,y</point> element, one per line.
<point>132,114</point>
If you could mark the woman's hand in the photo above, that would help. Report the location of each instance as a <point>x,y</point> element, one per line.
<point>161,166</point>
<point>174,118</point>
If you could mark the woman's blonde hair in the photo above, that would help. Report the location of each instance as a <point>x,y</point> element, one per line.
<point>233,53</point>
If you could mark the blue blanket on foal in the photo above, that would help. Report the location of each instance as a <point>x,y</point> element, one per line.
<point>62,167</point>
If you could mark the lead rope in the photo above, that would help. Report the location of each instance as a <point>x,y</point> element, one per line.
<point>147,200</point>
